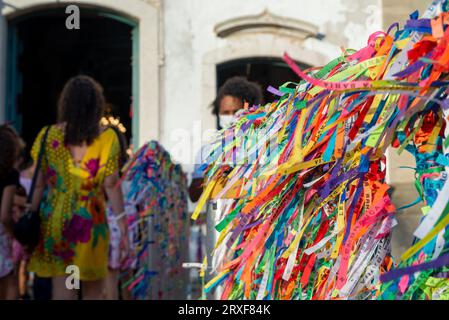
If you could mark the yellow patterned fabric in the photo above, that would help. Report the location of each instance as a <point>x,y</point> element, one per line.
<point>74,228</point>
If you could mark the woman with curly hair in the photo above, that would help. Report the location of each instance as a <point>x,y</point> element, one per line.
<point>10,146</point>
<point>80,165</point>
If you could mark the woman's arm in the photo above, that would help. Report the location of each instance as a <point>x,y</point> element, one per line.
<point>38,192</point>
<point>115,196</point>
<point>196,189</point>
<point>6,208</point>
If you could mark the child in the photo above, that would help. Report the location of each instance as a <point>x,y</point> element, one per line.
<point>20,256</point>
<point>9,179</point>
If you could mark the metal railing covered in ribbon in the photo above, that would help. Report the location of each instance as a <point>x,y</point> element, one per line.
<point>156,204</point>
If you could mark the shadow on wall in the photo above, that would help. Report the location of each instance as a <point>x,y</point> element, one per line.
<point>408,219</point>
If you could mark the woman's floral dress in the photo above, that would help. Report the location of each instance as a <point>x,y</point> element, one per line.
<point>74,228</point>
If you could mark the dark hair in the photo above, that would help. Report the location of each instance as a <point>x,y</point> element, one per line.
<point>27,162</point>
<point>123,156</point>
<point>9,144</point>
<point>81,107</point>
<point>240,88</point>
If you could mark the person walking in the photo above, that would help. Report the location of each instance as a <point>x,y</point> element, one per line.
<point>231,97</point>
<point>80,165</point>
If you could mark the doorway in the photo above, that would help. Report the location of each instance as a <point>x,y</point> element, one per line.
<point>43,55</point>
<point>264,71</point>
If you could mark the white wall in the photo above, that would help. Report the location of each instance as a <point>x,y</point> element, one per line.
<point>399,10</point>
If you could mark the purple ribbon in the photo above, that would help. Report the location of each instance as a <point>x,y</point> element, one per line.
<point>394,25</point>
<point>421,23</point>
<point>274,91</point>
<point>445,104</point>
<point>244,221</point>
<point>410,69</point>
<point>318,97</point>
<point>397,273</point>
<point>325,191</point>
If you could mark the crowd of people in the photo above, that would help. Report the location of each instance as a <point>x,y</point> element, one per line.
<point>77,165</point>
<point>70,183</point>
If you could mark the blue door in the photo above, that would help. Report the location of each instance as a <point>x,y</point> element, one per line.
<point>13,79</point>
